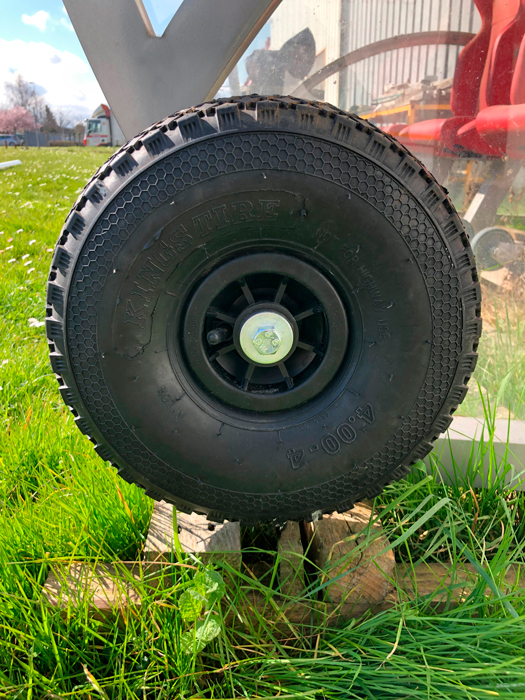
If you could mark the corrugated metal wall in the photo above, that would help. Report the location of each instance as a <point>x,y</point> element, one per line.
<point>366,21</point>
<point>341,26</point>
<point>323,17</point>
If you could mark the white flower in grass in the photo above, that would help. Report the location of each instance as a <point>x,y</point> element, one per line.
<point>32,241</point>
<point>27,262</point>
<point>25,256</point>
<point>35,323</point>
<point>12,260</point>
<point>31,269</point>
<point>4,362</point>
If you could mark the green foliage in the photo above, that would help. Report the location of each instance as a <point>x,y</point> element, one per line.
<point>195,640</point>
<point>190,605</point>
<point>207,590</point>
<point>210,584</point>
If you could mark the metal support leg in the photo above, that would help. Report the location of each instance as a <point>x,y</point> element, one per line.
<point>145,78</point>
<point>484,206</point>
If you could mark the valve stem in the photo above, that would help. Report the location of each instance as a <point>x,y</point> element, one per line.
<point>218,335</point>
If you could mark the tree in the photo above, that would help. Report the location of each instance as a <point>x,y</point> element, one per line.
<point>49,125</point>
<point>64,120</point>
<point>20,93</point>
<point>16,119</point>
<point>79,130</point>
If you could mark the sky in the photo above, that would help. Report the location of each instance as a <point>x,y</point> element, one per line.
<point>37,40</point>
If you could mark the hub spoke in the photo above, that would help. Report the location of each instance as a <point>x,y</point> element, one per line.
<point>249,372</point>
<point>246,291</point>
<point>310,347</point>
<point>217,313</point>
<point>286,376</point>
<point>280,291</point>
<point>309,312</point>
<point>222,351</point>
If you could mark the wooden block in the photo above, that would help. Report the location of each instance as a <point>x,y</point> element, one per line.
<point>210,541</point>
<point>499,278</point>
<point>105,588</point>
<point>291,559</point>
<point>440,583</point>
<point>367,574</point>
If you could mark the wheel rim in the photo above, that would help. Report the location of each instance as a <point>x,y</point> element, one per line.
<point>299,308</point>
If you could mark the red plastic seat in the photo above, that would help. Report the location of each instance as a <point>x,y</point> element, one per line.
<point>487,133</point>
<point>484,136</point>
<point>435,134</point>
<point>503,126</point>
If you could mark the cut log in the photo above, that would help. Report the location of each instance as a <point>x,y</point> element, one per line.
<point>349,553</point>
<point>498,278</point>
<point>444,585</point>
<point>211,542</point>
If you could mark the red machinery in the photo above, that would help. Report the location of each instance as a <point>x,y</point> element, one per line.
<point>487,93</point>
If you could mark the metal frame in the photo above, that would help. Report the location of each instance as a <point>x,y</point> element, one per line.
<point>470,441</point>
<point>144,77</point>
<point>483,209</point>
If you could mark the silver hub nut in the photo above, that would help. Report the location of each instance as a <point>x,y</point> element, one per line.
<point>266,337</point>
<point>267,341</point>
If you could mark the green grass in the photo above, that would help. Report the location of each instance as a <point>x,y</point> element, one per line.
<point>60,502</point>
<point>501,365</point>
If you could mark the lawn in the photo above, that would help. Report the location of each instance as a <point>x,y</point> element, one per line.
<point>59,501</point>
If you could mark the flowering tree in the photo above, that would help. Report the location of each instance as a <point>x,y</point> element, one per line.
<point>16,119</point>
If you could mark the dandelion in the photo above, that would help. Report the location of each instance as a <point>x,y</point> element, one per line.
<point>35,323</point>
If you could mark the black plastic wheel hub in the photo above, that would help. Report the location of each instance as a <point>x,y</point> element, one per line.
<point>269,325</point>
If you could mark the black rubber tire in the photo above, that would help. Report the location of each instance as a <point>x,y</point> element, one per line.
<point>317,184</point>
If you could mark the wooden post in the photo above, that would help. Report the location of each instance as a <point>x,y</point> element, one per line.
<point>210,542</point>
<point>350,552</point>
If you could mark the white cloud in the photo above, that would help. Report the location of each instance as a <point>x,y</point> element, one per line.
<point>38,20</point>
<point>67,79</point>
<point>66,23</point>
